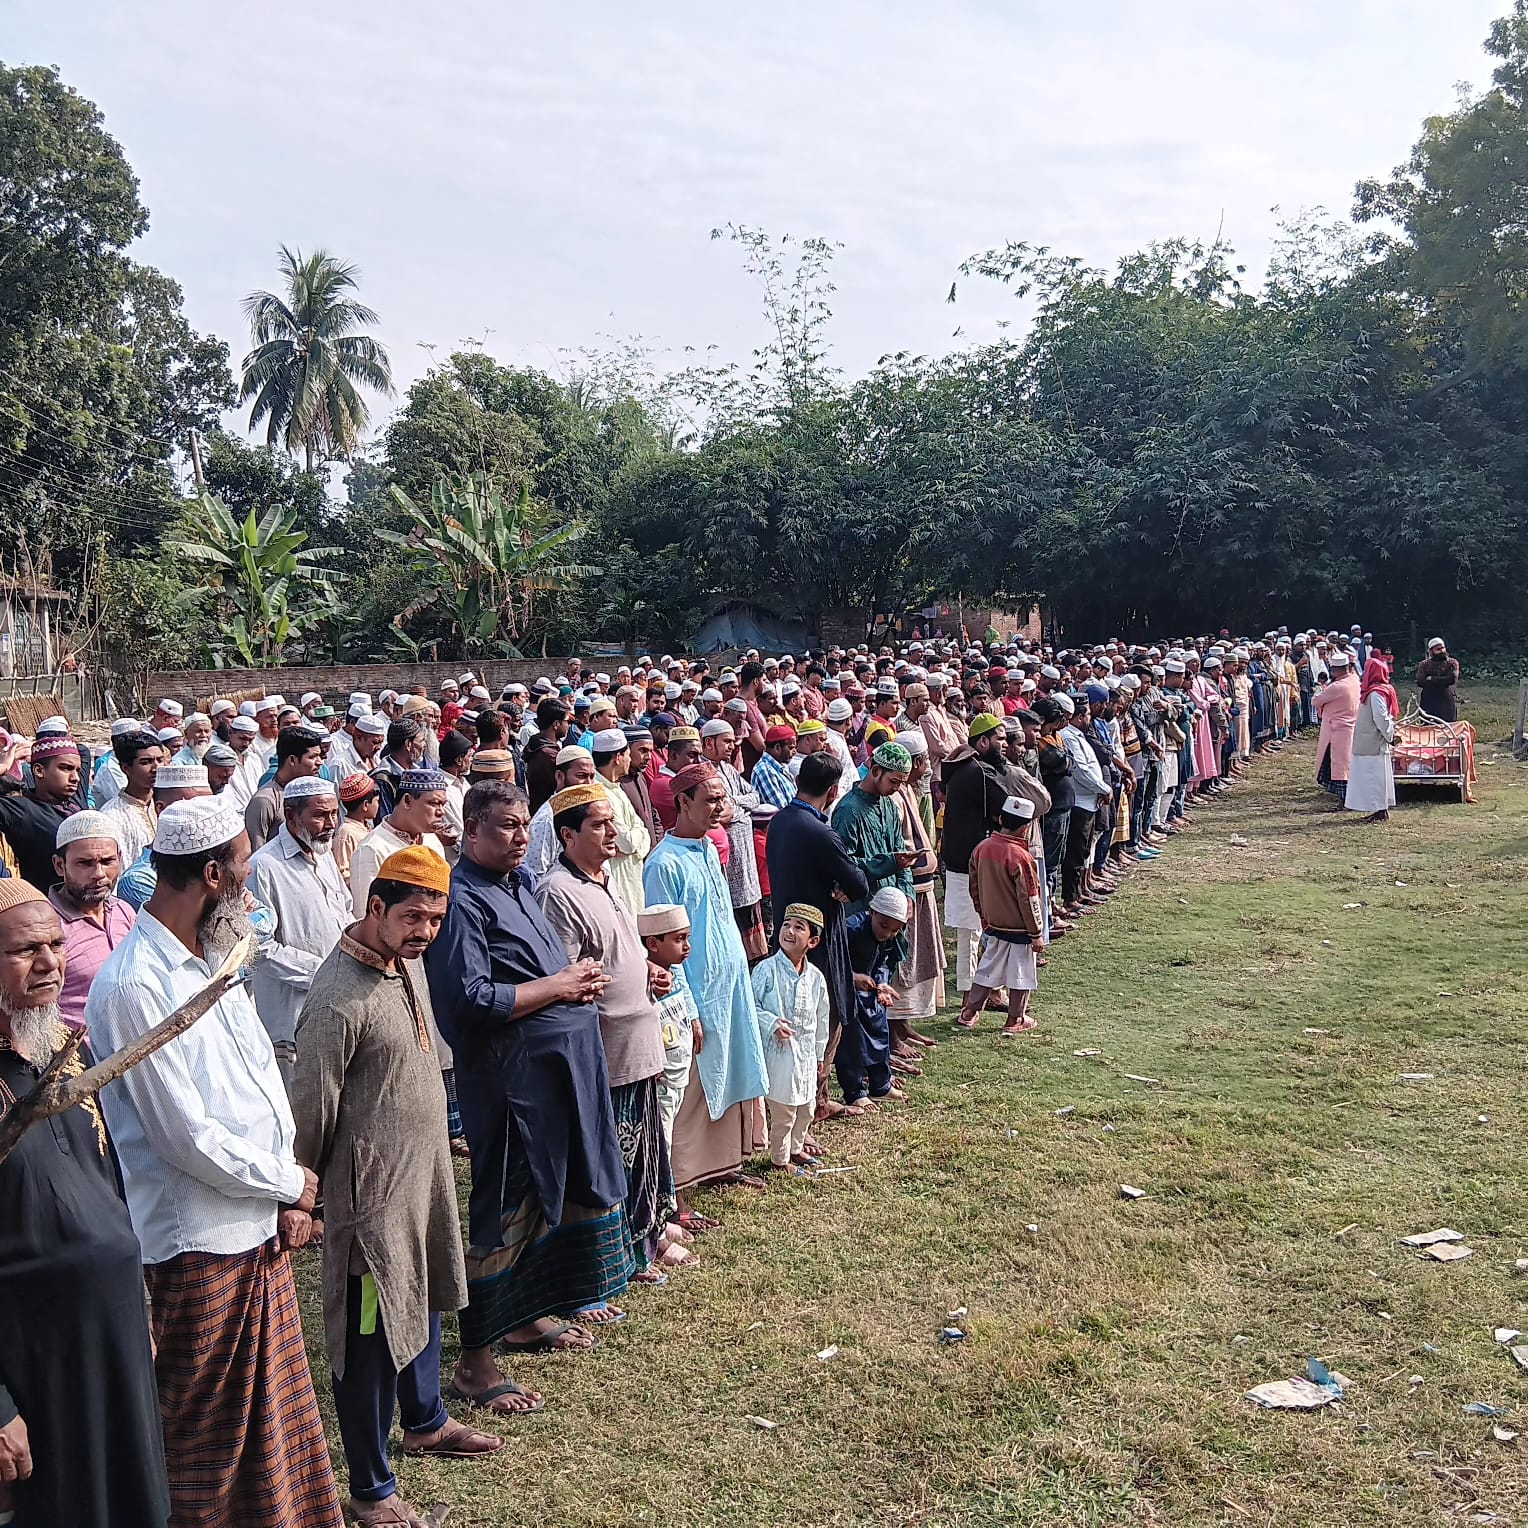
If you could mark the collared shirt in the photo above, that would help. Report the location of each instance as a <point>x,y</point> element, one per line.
<point>132,822</point>
<point>1088,784</point>
<point>541,852</point>
<point>202,1127</point>
<point>87,944</point>
<point>109,779</point>
<point>312,909</point>
<point>383,840</point>
<point>773,781</point>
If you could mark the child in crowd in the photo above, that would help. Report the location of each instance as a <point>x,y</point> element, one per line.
<point>876,949</point>
<point>360,799</point>
<point>792,999</point>
<point>1005,891</point>
<point>665,932</point>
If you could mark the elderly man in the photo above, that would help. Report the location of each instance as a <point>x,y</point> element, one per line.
<point>205,1136</point>
<point>295,876</point>
<point>419,810</point>
<point>580,902</point>
<point>720,1123</point>
<point>71,1280</point>
<point>93,918</point>
<point>548,1232</point>
<point>367,1093</point>
<point>30,819</point>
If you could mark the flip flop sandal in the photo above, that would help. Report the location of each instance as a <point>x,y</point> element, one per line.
<point>693,1220</point>
<point>483,1401</point>
<point>549,1342</point>
<point>450,1447</point>
<point>675,1235</point>
<point>650,1276</point>
<point>600,1313</point>
<point>685,1260</point>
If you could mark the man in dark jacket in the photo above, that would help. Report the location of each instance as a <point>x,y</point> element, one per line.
<point>808,863</point>
<point>974,793</point>
<point>541,752</point>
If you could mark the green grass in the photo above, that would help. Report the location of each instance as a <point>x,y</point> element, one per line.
<point>1101,1381</point>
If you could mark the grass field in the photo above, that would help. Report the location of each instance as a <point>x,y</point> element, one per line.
<point>1109,1351</point>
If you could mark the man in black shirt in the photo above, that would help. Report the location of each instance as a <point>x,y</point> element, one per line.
<point>29,819</point>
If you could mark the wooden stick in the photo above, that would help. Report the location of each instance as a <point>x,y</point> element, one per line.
<point>54,1092</point>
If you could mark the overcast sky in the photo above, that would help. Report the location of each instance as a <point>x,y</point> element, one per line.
<point>545,176</point>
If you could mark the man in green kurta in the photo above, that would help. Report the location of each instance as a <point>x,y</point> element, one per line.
<point>868,822</point>
<point>370,1109</point>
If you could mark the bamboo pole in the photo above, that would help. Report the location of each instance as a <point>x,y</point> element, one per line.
<point>55,1092</point>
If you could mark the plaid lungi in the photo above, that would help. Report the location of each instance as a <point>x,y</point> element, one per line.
<point>649,1179</point>
<point>243,1440</point>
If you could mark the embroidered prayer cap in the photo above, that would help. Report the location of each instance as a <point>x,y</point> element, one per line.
<point>683,735</point>
<point>464,680</point>
<point>1017,806</point>
<point>493,763</point>
<point>806,913</point>
<point>181,777</point>
<point>781,732</point>
<point>671,691</point>
<point>716,727</point>
<point>662,918</point>
<point>737,706</point>
<point>308,697</point>
<point>55,747</point>
<point>203,822</point>
<point>246,725</point>
<point>1049,671</point>
<point>419,782</point>
<point>886,689</point>
<point>893,757</point>
<point>915,692</point>
<point>218,755</point>
<point>913,741</point>
<point>1067,704</point>
<point>839,710</point>
<point>372,725</point>
<point>417,866</point>
<point>307,786</point>
<point>693,775</point>
<point>571,754</point>
<point>981,724</point>
<point>221,708</point>
<point>14,892</point>
<point>634,734</point>
<point>578,795</point>
<point>126,726</point>
<point>78,825</point>
<point>1174,666</point>
<point>322,714</point>
<point>810,727</point>
<point>610,740</point>
<point>415,704</point>
<point>891,903</point>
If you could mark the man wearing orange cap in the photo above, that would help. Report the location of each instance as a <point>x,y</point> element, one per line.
<point>371,1122</point>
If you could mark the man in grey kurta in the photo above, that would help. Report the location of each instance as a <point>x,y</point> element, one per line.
<point>371,1122</point>
<point>295,876</point>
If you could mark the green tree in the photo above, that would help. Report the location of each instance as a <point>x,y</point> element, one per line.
<point>310,359</point>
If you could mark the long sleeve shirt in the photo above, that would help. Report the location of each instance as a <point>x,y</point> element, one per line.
<point>1088,784</point>
<point>1005,887</point>
<point>312,908</point>
<point>632,843</point>
<point>202,1128</point>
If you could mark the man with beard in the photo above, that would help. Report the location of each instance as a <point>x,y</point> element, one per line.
<point>71,1284</point>
<point>295,876</point>
<point>372,1123</point>
<point>205,1137</point>
<point>94,920</point>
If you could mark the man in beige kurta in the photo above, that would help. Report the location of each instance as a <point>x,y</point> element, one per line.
<point>370,1110</point>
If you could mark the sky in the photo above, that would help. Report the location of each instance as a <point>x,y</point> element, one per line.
<point>545,178</point>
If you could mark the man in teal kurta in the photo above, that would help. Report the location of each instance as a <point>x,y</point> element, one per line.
<point>870,826</point>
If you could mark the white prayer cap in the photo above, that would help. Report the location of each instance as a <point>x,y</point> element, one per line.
<point>243,724</point>
<point>571,754</point>
<point>309,697</point>
<point>280,699</point>
<point>357,711</point>
<point>53,726</point>
<point>716,727</point>
<point>219,754</point>
<point>463,680</point>
<point>602,678</point>
<point>1049,671</point>
<point>890,902</point>
<point>1212,662</point>
<point>1065,701</point>
<point>1158,672</point>
<point>269,703</point>
<point>246,708</point>
<point>221,708</point>
<point>480,693</point>
<point>1028,687</point>
<point>198,716</point>
<point>1435,642</point>
<point>709,695</point>
<point>938,679</point>
<point>1339,659</point>
<point>170,707</point>
<point>385,696</point>
<point>372,724</point>
<point>169,735</point>
<point>78,825</point>
<point>1129,682</point>
<point>611,740</point>
<point>671,691</point>
<point>191,827</point>
<point>914,742</point>
<point>688,684</point>
<point>305,786</point>
<point>178,777</point>
<point>359,698</point>
<point>1017,806</point>
<point>126,726</point>
<point>1174,666</point>
<point>792,687</point>
<point>839,710</point>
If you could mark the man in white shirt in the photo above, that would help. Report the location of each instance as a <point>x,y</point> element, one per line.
<point>243,734</point>
<point>295,876</point>
<point>1088,789</point>
<point>204,1136</point>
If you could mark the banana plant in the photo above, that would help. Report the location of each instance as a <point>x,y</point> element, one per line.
<point>482,559</point>
<point>267,582</point>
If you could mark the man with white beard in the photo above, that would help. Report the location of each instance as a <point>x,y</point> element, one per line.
<point>295,876</point>
<point>204,1135</point>
<point>71,1285</point>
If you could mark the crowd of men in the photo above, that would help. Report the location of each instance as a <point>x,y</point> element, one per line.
<point>609,937</point>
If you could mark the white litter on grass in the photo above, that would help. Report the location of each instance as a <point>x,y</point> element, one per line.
<point>828,1353</point>
<point>1520,1356</point>
<point>1502,1434</point>
<point>1236,841</point>
<point>1315,1031</point>
<point>1403,883</point>
<point>1069,1109</point>
<point>762,1423</point>
<point>1088,1051</point>
<point>1506,1334</point>
<point>1033,1228</point>
<point>959,1313</point>
<point>1241,1338</point>
<point>1417,1076</point>
<point>1431,1238</point>
<point>1127,1192</point>
<point>1296,1394</point>
<point>1448,994</point>
<point>1448,1254</point>
<point>1351,907</point>
<point>1131,1077</point>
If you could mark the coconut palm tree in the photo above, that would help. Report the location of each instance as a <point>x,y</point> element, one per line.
<point>310,356</point>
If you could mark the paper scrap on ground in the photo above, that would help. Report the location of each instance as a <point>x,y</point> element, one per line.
<point>1127,1192</point>
<point>762,1423</point>
<point>1507,1334</point>
<point>1316,1031</point>
<point>1416,1076</point>
<point>1431,1238</point>
<point>952,1334</point>
<point>1069,1109</point>
<point>1502,1434</point>
<point>1520,1267</point>
<point>958,1314</point>
<point>1236,841</point>
<point>1448,1253</point>
<point>1349,907</point>
<point>1131,1077</point>
<point>1088,1051</point>
<point>1520,1355</point>
<point>1299,1394</point>
<point>828,1353</point>
<point>1483,1409</point>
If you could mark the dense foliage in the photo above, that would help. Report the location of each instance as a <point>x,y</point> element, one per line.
<point>1159,446</point>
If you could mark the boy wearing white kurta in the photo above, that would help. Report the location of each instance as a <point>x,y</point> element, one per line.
<point>792,1000</point>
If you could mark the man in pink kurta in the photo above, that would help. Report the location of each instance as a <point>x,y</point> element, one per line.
<point>1206,754</point>
<point>1337,708</point>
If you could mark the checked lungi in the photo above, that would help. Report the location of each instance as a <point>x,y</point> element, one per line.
<point>243,1439</point>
